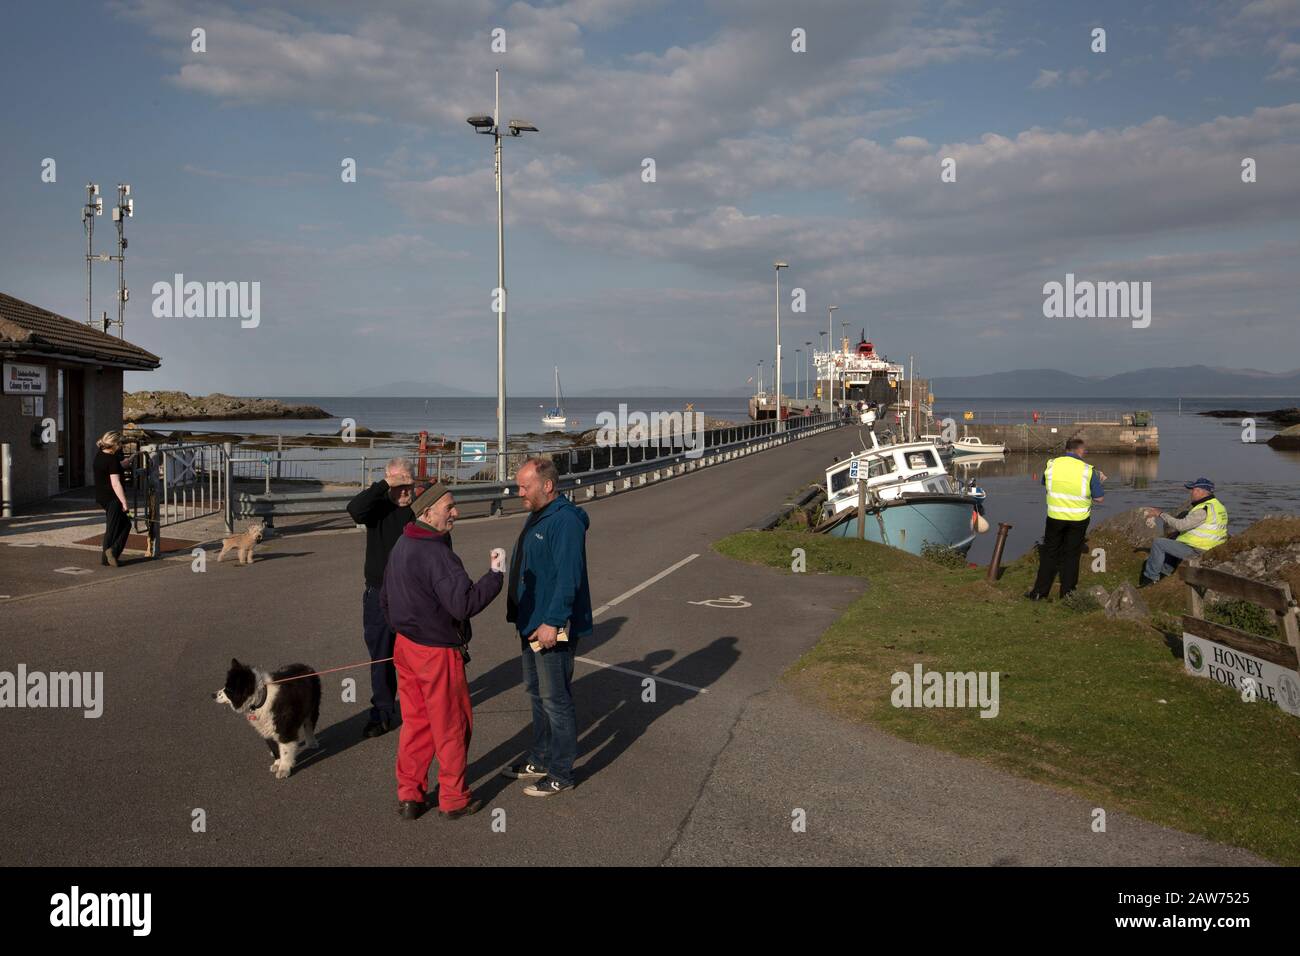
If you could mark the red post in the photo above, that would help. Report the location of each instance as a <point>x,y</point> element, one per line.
<point>421,469</point>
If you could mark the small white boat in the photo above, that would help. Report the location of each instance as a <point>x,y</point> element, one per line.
<point>911,500</point>
<point>555,416</point>
<point>972,445</point>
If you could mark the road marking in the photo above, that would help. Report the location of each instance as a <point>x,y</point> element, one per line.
<point>71,570</point>
<point>643,585</point>
<point>623,597</point>
<point>732,600</point>
<point>653,677</point>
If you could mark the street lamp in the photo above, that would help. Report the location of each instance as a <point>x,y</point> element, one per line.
<point>830,341</point>
<point>94,207</point>
<point>797,361</point>
<point>844,382</point>
<point>760,383</point>
<point>491,125</point>
<point>822,335</point>
<point>807,376</point>
<point>778,266</point>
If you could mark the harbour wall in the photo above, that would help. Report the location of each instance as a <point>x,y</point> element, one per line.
<point>1101,437</point>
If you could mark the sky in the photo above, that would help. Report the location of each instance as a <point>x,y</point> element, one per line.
<point>1122,165</point>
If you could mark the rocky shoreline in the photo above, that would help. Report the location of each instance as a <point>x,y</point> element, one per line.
<point>1287,420</point>
<point>153,406</point>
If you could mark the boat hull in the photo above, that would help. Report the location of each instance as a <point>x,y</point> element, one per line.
<point>913,522</point>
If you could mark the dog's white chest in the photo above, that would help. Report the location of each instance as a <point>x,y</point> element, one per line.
<point>261,719</point>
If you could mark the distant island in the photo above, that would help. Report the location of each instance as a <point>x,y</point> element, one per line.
<point>143,407</point>
<point>1192,381</point>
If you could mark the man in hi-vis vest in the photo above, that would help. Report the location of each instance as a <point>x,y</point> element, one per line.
<point>1203,525</point>
<point>1072,486</point>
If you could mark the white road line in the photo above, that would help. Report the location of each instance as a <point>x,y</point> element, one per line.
<point>623,597</point>
<point>643,585</point>
<point>654,677</point>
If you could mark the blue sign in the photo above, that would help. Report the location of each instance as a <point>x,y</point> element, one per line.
<point>853,471</point>
<point>473,452</point>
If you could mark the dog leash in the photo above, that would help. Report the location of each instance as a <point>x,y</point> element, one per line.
<point>330,670</point>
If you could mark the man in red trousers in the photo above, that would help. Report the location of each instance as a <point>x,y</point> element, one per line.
<point>428,600</point>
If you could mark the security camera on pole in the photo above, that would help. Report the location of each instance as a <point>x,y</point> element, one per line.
<point>491,125</point>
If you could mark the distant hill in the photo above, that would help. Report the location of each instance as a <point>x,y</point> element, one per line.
<point>411,389</point>
<point>1191,381</point>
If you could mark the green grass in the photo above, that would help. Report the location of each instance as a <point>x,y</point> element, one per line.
<point>1092,705</point>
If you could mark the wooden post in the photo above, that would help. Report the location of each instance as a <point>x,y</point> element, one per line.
<point>862,508</point>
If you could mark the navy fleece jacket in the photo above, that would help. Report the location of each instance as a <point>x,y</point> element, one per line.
<point>548,571</point>
<point>427,595</point>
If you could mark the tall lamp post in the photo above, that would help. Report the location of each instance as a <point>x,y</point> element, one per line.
<point>491,125</point>
<point>807,376</point>
<point>778,266</point>
<point>822,335</point>
<point>844,382</point>
<point>760,382</point>
<point>830,342</point>
<point>797,362</point>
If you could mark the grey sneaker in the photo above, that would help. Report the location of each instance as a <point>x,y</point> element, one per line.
<point>546,787</point>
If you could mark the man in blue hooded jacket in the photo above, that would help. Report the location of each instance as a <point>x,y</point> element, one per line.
<point>549,602</point>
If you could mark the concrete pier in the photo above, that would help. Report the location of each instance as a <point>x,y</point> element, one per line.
<point>1102,437</point>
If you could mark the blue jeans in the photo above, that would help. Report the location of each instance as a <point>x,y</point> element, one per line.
<point>379,642</point>
<point>548,679</point>
<point>1162,550</point>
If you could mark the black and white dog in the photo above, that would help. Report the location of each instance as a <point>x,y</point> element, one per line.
<point>284,715</point>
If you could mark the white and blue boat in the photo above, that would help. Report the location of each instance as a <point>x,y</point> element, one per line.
<point>910,499</point>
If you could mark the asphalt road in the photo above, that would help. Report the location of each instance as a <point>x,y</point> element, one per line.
<point>710,771</point>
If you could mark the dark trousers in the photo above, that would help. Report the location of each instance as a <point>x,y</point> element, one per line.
<point>379,642</point>
<point>548,679</point>
<point>1060,551</point>
<point>117,525</point>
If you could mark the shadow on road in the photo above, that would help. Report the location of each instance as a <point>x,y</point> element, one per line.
<point>612,713</point>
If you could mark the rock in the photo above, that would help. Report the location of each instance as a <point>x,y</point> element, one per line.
<point>1287,439</point>
<point>1125,603</point>
<point>167,406</point>
<point>1099,594</point>
<point>1129,526</point>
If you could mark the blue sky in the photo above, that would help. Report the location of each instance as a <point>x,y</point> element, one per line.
<point>1123,165</point>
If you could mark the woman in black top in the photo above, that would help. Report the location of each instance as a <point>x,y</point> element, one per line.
<point>111,496</point>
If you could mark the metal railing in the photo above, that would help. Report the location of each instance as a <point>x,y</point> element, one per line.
<point>585,471</point>
<point>1025,416</point>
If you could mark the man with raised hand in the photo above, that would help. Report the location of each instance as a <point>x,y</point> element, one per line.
<point>549,602</point>
<point>385,509</point>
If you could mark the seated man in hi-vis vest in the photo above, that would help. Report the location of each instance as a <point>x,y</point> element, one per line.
<point>1072,486</point>
<point>1202,526</point>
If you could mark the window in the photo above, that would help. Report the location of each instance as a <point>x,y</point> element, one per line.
<point>839,481</point>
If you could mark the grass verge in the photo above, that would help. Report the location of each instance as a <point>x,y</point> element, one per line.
<point>1097,706</point>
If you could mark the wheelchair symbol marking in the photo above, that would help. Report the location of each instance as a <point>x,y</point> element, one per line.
<point>733,600</point>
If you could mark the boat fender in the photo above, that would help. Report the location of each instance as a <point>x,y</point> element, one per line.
<point>978,522</point>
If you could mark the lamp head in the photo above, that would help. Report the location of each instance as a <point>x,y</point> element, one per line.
<point>482,124</point>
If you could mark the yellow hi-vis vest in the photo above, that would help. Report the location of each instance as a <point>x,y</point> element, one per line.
<point>1069,483</point>
<point>1212,531</point>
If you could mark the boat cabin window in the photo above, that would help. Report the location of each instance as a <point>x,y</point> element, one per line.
<point>881,466</point>
<point>921,459</point>
<point>839,481</point>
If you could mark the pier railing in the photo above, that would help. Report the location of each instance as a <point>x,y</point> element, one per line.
<point>585,471</point>
<point>1026,416</point>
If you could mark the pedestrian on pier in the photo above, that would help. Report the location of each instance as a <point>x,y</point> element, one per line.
<point>549,602</point>
<point>385,509</point>
<point>429,598</point>
<point>110,495</point>
<point>1073,486</point>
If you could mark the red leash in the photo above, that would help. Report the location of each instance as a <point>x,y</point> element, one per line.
<point>331,670</point>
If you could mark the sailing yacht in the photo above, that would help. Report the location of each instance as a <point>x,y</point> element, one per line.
<point>555,415</point>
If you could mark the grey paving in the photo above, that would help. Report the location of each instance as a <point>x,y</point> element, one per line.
<point>689,778</point>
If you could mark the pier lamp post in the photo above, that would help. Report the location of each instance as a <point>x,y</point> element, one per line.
<point>807,376</point>
<point>491,125</point>
<point>830,347</point>
<point>778,266</point>
<point>760,382</point>
<point>822,336</point>
<point>844,382</point>
<point>797,361</point>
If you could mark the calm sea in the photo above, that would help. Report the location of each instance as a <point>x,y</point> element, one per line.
<point>1253,479</point>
